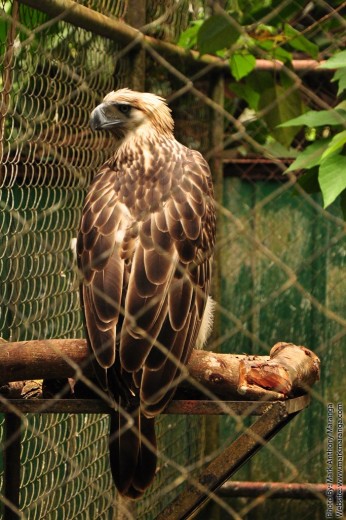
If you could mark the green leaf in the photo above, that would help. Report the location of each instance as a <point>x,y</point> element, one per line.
<point>318,118</point>
<point>274,148</point>
<point>286,80</point>
<point>255,127</point>
<point>216,33</point>
<point>332,178</point>
<point>278,106</point>
<point>279,53</point>
<point>343,203</point>
<point>7,8</point>
<point>340,76</point>
<point>263,28</point>
<point>260,80</point>
<point>335,62</point>
<point>188,38</point>
<point>309,181</point>
<point>309,157</point>
<point>299,42</point>
<point>275,51</point>
<point>341,105</point>
<point>246,92</point>
<point>242,64</point>
<point>275,10</point>
<point>335,144</point>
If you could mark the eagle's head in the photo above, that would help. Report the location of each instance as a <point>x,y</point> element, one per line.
<point>125,112</point>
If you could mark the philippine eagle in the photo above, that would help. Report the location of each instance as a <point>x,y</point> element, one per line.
<point>144,249</point>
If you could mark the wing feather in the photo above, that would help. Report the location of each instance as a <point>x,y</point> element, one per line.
<point>157,385</point>
<point>144,286</point>
<point>181,291</point>
<point>102,341</point>
<point>102,267</point>
<point>158,265</point>
<point>160,221</point>
<point>146,248</point>
<point>167,291</point>
<point>106,290</point>
<point>165,339</point>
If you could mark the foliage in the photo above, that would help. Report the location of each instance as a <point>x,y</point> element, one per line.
<point>270,105</point>
<point>233,35</point>
<point>326,156</point>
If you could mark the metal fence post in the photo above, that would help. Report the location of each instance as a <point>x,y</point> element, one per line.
<point>11,454</point>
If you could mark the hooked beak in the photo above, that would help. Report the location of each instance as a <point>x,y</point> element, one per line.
<point>102,118</point>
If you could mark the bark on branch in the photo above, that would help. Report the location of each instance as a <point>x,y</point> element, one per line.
<point>288,370</point>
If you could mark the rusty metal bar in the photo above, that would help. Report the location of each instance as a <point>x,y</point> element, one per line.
<point>272,416</point>
<point>292,490</point>
<point>91,20</point>
<point>250,170</point>
<point>231,459</point>
<point>183,407</point>
<point>11,454</point>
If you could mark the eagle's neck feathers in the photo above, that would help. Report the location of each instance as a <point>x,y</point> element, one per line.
<point>142,169</point>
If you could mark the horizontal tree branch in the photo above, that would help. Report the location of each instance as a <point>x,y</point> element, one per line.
<point>289,369</point>
<point>91,20</point>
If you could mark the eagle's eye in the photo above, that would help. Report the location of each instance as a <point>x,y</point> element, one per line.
<point>124,108</point>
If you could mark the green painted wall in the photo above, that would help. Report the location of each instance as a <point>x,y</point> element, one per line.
<point>284,279</point>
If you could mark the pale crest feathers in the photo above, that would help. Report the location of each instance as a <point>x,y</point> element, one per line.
<point>155,107</point>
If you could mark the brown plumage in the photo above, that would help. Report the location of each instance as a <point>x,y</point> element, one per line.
<point>145,250</point>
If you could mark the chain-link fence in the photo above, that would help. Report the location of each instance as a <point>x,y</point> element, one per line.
<point>279,271</point>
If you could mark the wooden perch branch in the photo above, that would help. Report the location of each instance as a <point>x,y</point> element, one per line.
<point>287,371</point>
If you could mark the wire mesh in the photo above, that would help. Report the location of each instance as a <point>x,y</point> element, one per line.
<point>65,467</point>
<point>41,199</point>
<point>281,258</point>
